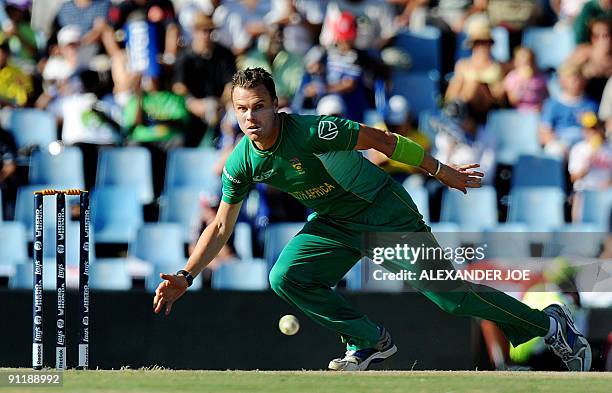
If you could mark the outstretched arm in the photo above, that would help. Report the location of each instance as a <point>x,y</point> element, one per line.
<point>404,150</point>
<point>212,239</point>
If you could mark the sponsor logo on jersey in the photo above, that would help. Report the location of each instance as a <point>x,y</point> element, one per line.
<point>328,130</point>
<point>264,176</point>
<point>313,193</point>
<point>297,165</point>
<point>230,177</point>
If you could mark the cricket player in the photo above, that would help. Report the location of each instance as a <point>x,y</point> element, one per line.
<point>316,159</point>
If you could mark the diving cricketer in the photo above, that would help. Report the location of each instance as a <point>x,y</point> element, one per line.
<point>316,159</point>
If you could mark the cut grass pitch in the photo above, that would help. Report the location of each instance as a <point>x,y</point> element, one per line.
<point>149,381</point>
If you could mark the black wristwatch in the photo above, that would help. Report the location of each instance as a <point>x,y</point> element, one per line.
<point>187,276</point>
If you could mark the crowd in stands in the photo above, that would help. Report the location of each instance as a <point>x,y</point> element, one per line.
<point>155,73</point>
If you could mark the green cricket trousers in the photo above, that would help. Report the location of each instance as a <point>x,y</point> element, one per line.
<point>320,255</point>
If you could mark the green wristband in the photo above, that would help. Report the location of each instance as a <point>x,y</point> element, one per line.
<point>408,151</point>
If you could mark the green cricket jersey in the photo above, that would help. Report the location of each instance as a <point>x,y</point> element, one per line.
<point>313,160</point>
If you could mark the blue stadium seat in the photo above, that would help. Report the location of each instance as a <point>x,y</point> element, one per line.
<point>241,275</point>
<point>534,171</point>
<point>181,206</point>
<point>473,212</point>
<point>447,234</point>
<point>541,208</point>
<point>551,45</point>
<point>420,197</point>
<point>595,207</point>
<point>33,127</point>
<point>24,276</point>
<point>515,133</point>
<point>359,280</point>
<point>193,167</point>
<point>507,240</point>
<point>571,240</point>
<point>500,50</point>
<point>161,244</point>
<point>126,166</point>
<point>423,46</point>
<point>13,243</point>
<point>276,238</point>
<point>420,89</point>
<point>243,240</point>
<point>65,169</point>
<point>24,205</point>
<point>116,214</point>
<point>110,274</point>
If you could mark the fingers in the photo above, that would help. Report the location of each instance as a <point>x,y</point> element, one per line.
<point>169,307</point>
<point>159,305</point>
<point>469,166</point>
<point>475,173</point>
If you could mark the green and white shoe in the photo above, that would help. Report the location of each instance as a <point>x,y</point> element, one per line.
<point>359,360</point>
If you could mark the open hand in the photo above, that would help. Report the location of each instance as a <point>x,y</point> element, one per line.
<point>169,291</point>
<point>461,177</point>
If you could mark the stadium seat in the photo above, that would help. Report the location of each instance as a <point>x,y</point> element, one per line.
<point>551,45</point>
<point>473,212</point>
<point>534,171</point>
<point>126,166</point>
<point>500,49</point>
<point>420,197</point>
<point>276,238</point>
<point>24,206</point>
<point>507,240</point>
<point>33,127</point>
<point>541,208</point>
<point>110,274</point>
<point>242,275</point>
<point>515,133</point>
<point>423,46</point>
<point>116,214</point>
<point>595,208</point>
<point>161,244</point>
<point>13,243</point>
<point>571,240</point>
<point>65,168</point>
<point>193,167</point>
<point>243,241</point>
<point>427,84</point>
<point>24,275</point>
<point>447,234</point>
<point>181,206</point>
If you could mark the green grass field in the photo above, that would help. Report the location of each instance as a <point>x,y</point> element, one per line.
<point>320,382</point>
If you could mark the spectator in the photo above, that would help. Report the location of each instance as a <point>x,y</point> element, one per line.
<point>592,10</point>
<point>605,107</point>
<point>87,122</point>
<point>202,74</point>
<point>15,86</point>
<point>590,160</point>
<point>567,10</point>
<point>331,105</point>
<point>298,35</point>
<point>460,140</point>
<point>375,22</point>
<point>61,67</point>
<point>187,11</point>
<point>156,18</point>
<point>286,68</point>
<point>560,127</point>
<point>345,68</point>
<point>156,119</point>
<point>240,23</point>
<point>525,85</point>
<point>478,80</point>
<point>88,15</point>
<point>8,170</point>
<point>20,35</point>
<point>398,121</point>
<point>596,57</point>
<point>313,81</point>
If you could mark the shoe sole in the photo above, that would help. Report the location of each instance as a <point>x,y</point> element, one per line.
<point>587,359</point>
<point>374,358</point>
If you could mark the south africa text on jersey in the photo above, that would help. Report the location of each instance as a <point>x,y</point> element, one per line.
<point>313,193</point>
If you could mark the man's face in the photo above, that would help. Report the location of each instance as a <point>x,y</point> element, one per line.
<point>255,110</point>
